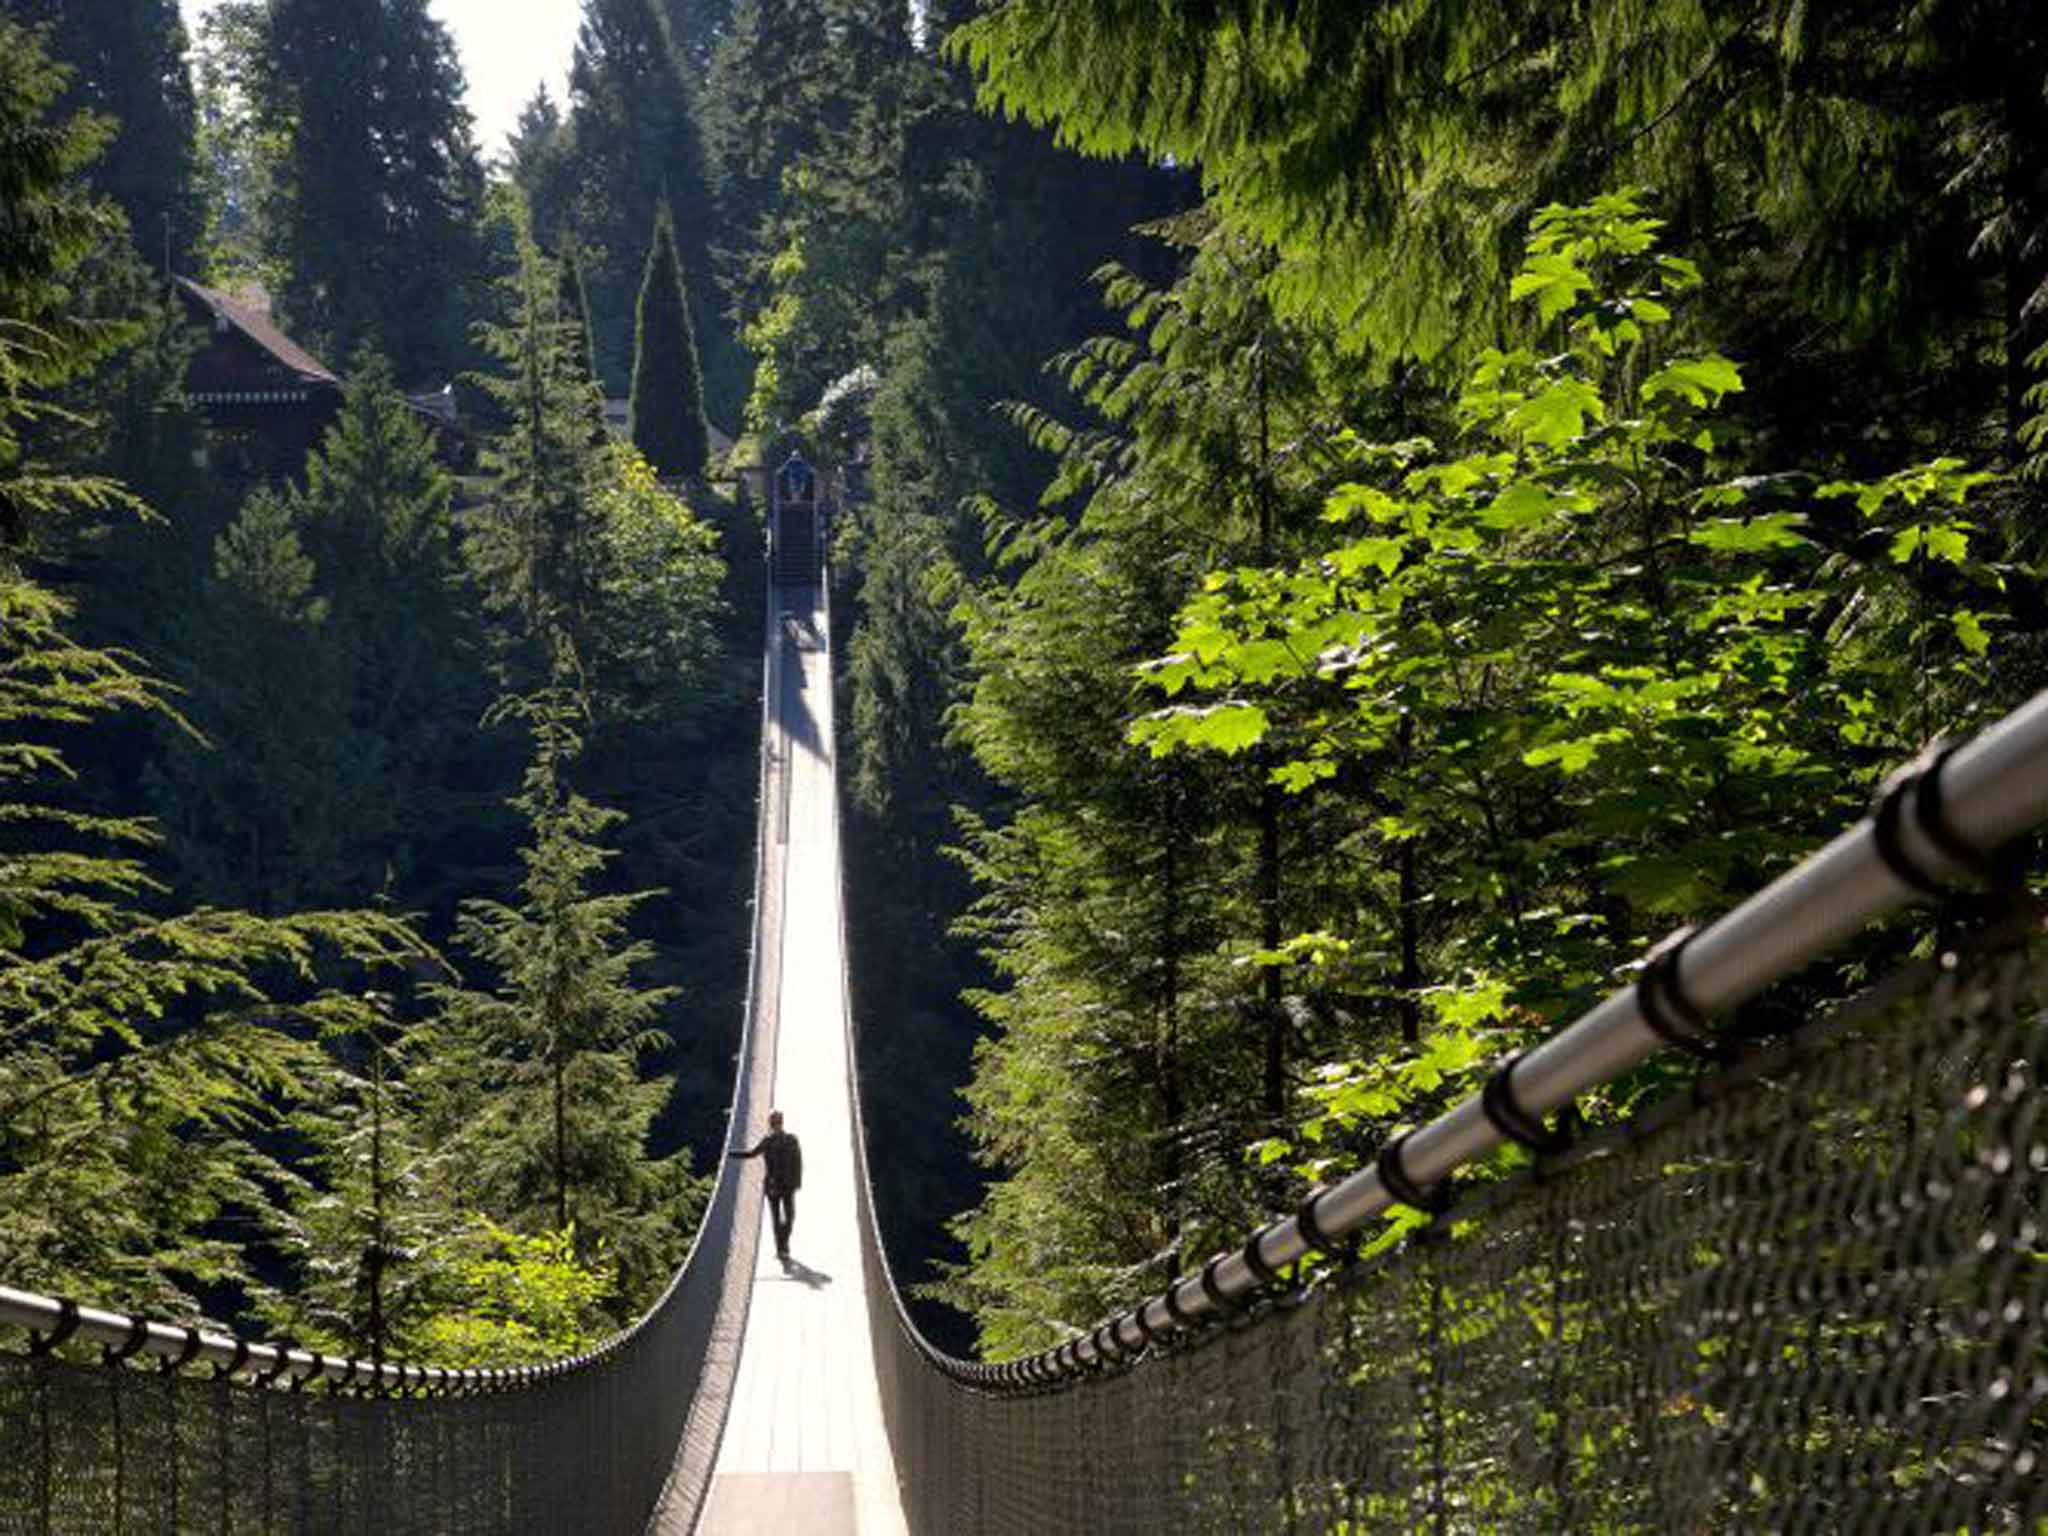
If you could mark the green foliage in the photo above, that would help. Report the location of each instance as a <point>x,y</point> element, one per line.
<point>206,1101</point>
<point>361,1221</point>
<point>531,546</point>
<point>1858,157</point>
<point>139,1053</point>
<point>128,63</point>
<point>370,183</point>
<point>573,301</point>
<point>1611,683</point>
<point>509,1299</point>
<point>46,337</point>
<point>659,608</point>
<point>550,1129</point>
<point>808,114</point>
<point>1125,904</point>
<point>668,391</point>
<point>335,728</point>
<point>628,147</point>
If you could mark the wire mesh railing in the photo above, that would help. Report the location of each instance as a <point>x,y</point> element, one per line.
<point>110,1423</point>
<point>1807,1293</point>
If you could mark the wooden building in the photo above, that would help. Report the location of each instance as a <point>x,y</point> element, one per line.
<point>267,400</point>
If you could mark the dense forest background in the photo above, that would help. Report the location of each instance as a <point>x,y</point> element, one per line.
<point>1357,521</point>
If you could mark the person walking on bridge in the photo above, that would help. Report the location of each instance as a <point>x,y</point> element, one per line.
<point>783,1160</point>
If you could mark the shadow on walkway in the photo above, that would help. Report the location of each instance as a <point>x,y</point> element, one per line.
<point>797,1269</point>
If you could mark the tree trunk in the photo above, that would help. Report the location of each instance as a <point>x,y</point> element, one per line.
<point>1274,1096</point>
<point>1411,946</point>
<point>1172,1100</point>
<point>561,1143</point>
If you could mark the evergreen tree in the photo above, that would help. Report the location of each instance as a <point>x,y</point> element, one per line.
<point>668,391</point>
<point>401,624</point>
<point>1122,905</point>
<point>574,302</point>
<point>533,141</point>
<point>365,1225</point>
<point>54,229</point>
<point>532,545</point>
<point>694,28</point>
<point>375,187</point>
<point>128,62</point>
<point>656,637</point>
<point>265,807</point>
<point>770,73</point>
<point>814,100</point>
<point>1877,170</point>
<point>559,1140</point>
<point>140,1054</point>
<point>1002,233</point>
<point>333,660</point>
<point>634,145</point>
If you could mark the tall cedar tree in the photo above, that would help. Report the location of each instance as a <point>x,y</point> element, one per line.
<point>1121,901</point>
<point>630,144</point>
<point>369,1224</point>
<point>128,62</point>
<point>772,75</point>
<point>668,391</point>
<point>811,105</point>
<point>266,807</point>
<point>533,543</point>
<point>375,187</point>
<point>574,301</point>
<point>694,27</point>
<point>141,1059</point>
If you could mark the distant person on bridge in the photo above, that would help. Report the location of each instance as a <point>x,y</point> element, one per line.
<point>783,1159</point>
<point>796,478</point>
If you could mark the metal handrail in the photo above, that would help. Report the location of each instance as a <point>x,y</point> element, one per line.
<point>1937,821</point>
<point>51,1321</point>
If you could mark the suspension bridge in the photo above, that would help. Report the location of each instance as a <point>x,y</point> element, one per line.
<point>1808,1291</point>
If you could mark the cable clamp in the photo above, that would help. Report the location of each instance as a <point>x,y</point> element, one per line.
<point>1255,1261</point>
<point>40,1344</point>
<point>1212,1288</point>
<point>1666,1010</point>
<point>1145,1327</point>
<point>227,1372</point>
<point>1395,1181</point>
<point>1108,1347</point>
<point>1311,1227</point>
<point>284,1349</point>
<point>1126,1350</point>
<point>1920,780</point>
<point>1506,1114</point>
<point>131,1343</point>
<point>187,1352</point>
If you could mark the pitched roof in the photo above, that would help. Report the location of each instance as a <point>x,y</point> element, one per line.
<point>256,328</point>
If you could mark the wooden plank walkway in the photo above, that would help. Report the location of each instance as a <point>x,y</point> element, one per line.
<point>804,1449</point>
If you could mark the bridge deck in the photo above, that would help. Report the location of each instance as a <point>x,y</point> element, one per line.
<point>804,1447</point>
